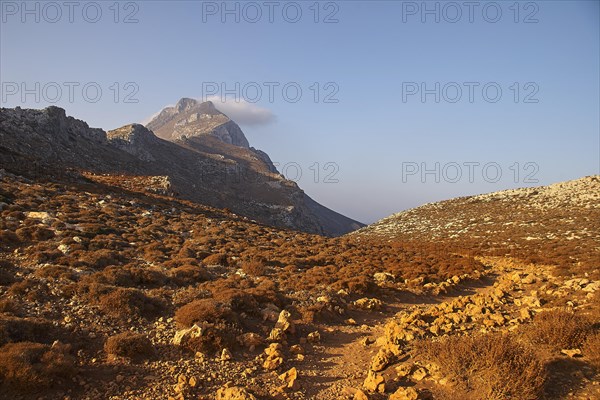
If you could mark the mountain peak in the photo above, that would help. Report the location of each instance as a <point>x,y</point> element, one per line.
<point>185,104</point>
<point>192,118</point>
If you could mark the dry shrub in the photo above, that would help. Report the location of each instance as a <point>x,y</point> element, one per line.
<point>46,256</point>
<point>56,272</point>
<point>8,237</point>
<point>591,349</point>
<point>203,310</point>
<point>493,366</point>
<point>14,329</point>
<point>154,252</point>
<point>131,276</point>
<point>216,259</point>
<point>10,306</point>
<point>7,273</point>
<point>130,345</point>
<point>29,289</point>
<point>558,329</point>
<point>238,300</point>
<point>356,285</point>
<point>254,267</point>
<point>28,366</point>
<point>189,275</point>
<point>179,262</point>
<point>35,233</point>
<point>99,259</point>
<point>125,303</point>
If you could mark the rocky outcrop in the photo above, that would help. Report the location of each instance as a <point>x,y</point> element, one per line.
<point>134,139</point>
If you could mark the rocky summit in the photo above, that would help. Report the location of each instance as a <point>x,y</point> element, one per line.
<point>191,118</point>
<point>201,152</point>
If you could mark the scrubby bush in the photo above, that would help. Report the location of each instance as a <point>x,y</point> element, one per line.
<point>35,233</point>
<point>56,272</point>
<point>10,306</point>
<point>8,237</point>
<point>189,275</point>
<point>129,345</point>
<point>216,259</point>
<point>558,329</point>
<point>591,349</point>
<point>238,300</point>
<point>254,267</point>
<point>99,259</point>
<point>29,289</point>
<point>125,303</point>
<point>492,366</point>
<point>203,310</point>
<point>131,276</point>
<point>27,366</point>
<point>14,329</point>
<point>7,273</point>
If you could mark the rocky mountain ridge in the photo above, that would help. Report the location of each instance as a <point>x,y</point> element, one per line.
<point>206,166</point>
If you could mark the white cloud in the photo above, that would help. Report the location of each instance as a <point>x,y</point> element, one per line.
<point>243,112</point>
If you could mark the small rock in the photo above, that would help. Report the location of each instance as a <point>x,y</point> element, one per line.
<point>374,382</point>
<point>360,395</point>
<point>381,360</point>
<point>282,326</point>
<point>185,334</point>
<point>226,355</point>
<point>404,394</point>
<point>290,377</point>
<point>296,349</point>
<point>314,337</point>
<point>571,352</point>
<point>419,374</point>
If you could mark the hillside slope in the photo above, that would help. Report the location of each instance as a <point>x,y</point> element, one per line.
<point>111,287</point>
<point>558,224</point>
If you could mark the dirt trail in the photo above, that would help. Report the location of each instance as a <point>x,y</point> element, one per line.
<point>339,364</point>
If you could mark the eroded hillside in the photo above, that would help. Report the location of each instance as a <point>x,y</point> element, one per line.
<point>112,288</point>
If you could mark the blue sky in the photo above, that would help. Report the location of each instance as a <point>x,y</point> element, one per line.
<point>375,61</point>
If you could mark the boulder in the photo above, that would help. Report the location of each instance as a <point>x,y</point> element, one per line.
<point>382,359</point>
<point>290,377</point>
